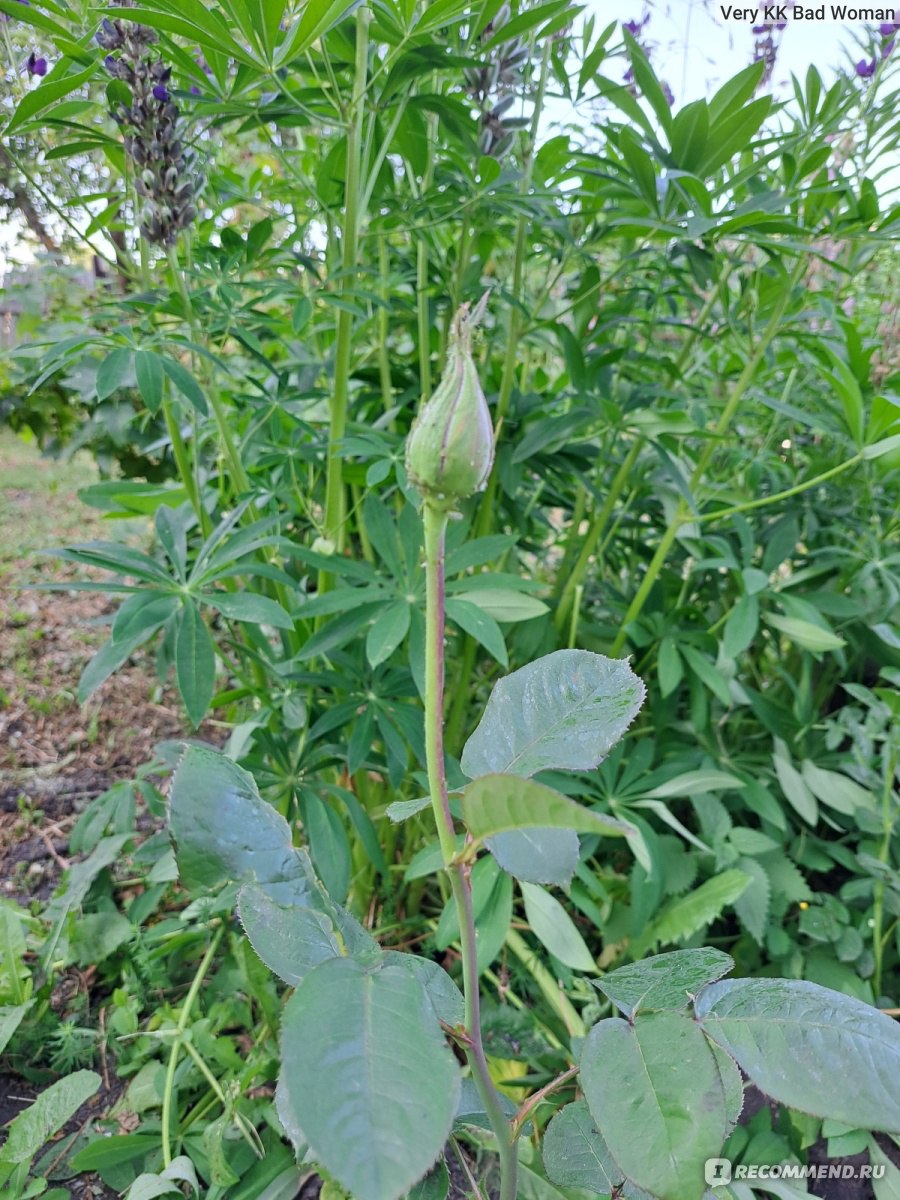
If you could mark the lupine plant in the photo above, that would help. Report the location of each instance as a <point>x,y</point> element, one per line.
<point>370,1089</point>
<point>690,355</point>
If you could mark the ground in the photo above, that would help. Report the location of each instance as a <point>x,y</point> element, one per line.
<point>55,754</point>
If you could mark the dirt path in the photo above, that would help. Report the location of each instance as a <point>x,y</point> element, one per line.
<point>56,755</point>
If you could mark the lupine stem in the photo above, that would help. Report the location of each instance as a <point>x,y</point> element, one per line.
<point>575,578</point>
<point>340,396</point>
<point>486,509</point>
<point>487,506</point>
<point>384,362</point>
<point>239,476</point>
<point>683,512</point>
<point>435,522</point>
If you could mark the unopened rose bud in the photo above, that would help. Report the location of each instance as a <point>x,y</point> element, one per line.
<point>450,448</point>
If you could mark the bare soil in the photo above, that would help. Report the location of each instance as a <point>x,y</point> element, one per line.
<point>57,755</point>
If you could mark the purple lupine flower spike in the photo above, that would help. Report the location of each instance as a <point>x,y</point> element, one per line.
<point>865,70</point>
<point>164,177</point>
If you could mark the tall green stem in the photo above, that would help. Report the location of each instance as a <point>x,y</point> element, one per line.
<point>488,502</point>
<point>575,578</point>
<point>435,522</point>
<point>227,443</point>
<point>334,484</point>
<point>523,226</point>
<point>384,362</point>
<point>183,462</point>
<point>423,320</point>
<point>683,512</point>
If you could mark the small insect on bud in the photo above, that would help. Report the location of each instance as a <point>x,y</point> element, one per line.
<point>450,448</point>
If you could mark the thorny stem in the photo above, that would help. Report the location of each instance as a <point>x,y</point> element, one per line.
<point>435,522</point>
<point>538,1097</point>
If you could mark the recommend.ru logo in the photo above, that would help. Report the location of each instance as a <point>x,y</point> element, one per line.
<point>719,1171</point>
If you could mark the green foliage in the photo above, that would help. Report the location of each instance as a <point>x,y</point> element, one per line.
<point>693,383</point>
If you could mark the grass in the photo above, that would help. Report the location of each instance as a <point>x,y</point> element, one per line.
<point>39,505</point>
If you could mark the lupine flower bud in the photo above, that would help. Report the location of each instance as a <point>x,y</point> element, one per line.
<point>450,448</point>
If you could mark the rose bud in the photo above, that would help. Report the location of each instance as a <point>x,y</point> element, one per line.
<point>450,448</point>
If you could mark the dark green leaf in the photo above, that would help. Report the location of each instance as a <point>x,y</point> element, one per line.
<point>499,803</point>
<point>113,372</point>
<point>47,1114</point>
<point>290,940</point>
<point>224,831</point>
<point>195,663</point>
<point>250,607</point>
<point>479,625</point>
<point>387,631</point>
<point>108,659</point>
<point>186,384</point>
<point>537,855</point>
<point>741,626</point>
<point>576,1156</point>
<point>142,613</point>
<point>148,370</point>
<point>555,929</point>
<point>446,998</point>
<point>60,82</point>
